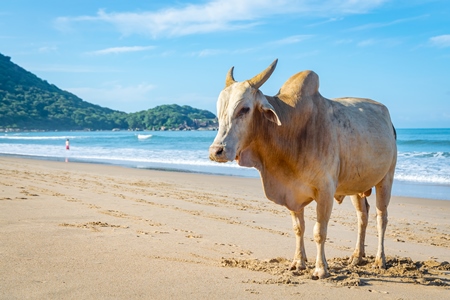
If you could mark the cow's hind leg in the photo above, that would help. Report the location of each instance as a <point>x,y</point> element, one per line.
<point>362,212</point>
<point>298,222</point>
<point>383,191</point>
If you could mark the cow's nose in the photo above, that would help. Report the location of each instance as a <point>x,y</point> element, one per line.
<point>215,151</point>
<point>219,150</point>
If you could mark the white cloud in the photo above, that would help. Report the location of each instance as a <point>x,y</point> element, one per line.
<point>386,24</point>
<point>307,54</point>
<point>215,52</point>
<point>386,43</point>
<point>290,40</point>
<point>116,96</point>
<point>281,42</point>
<point>330,20</point>
<point>441,41</point>
<point>69,69</point>
<point>366,43</point>
<point>47,49</point>
<point>117,50</point>
<point>215,15</point>
<point>285,41</point>
<point>209,52</point>
<point>343,41</point>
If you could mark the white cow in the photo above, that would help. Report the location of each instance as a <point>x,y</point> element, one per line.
<point>306,148</point>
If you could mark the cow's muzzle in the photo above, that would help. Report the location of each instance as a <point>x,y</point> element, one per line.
<point>217,153</point>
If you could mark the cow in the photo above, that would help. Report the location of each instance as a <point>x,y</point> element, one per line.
<point>307,147</point>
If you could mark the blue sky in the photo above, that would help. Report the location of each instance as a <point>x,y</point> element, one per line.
<point>135,55</point>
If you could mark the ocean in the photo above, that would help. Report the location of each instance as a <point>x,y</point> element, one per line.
<point>423,167</point>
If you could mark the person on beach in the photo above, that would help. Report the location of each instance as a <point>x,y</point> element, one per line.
<point>67,144</point>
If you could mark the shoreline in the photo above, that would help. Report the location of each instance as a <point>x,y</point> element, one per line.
<point>83,230</point>
<point>400,188</point>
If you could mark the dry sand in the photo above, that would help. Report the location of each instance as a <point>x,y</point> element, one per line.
<point>87,231</point>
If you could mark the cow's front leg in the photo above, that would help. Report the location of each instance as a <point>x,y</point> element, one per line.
<point>298,222</point>
<point>362,212</point>
<point>324,207</point>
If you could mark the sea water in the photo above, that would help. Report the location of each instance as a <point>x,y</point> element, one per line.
<point>423,167</point>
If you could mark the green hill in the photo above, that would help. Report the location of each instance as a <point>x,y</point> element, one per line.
<point>171,117</point>
<point>30,103</point>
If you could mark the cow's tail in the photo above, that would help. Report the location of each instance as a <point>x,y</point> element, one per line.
<point>395,132</point>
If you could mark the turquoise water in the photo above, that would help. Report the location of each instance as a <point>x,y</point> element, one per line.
<point>423,168</point>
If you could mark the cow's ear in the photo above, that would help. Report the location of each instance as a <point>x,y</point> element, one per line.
<point>267,109</point>
<point>271,115</point>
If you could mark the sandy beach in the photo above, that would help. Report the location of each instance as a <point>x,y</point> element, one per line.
<point>89,231</point>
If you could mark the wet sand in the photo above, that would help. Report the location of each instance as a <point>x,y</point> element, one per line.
<point>74,230</point>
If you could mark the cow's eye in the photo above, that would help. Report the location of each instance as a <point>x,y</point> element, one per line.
<point>243,111</point>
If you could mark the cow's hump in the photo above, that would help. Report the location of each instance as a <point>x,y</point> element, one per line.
<point>303,84</point>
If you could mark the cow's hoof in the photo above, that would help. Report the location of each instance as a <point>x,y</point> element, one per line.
<point>297,264</point>
<point>380,263</point>
<point>354,260</point>
<point>319,273</point>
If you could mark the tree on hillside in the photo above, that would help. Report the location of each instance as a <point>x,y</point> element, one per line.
<point>28,102</point>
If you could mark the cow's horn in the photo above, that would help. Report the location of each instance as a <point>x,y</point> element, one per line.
<point>262,77</point>
<point>229,80</point>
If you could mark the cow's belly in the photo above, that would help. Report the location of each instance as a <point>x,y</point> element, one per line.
<point>359,180</point>
<point>354,188</point>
